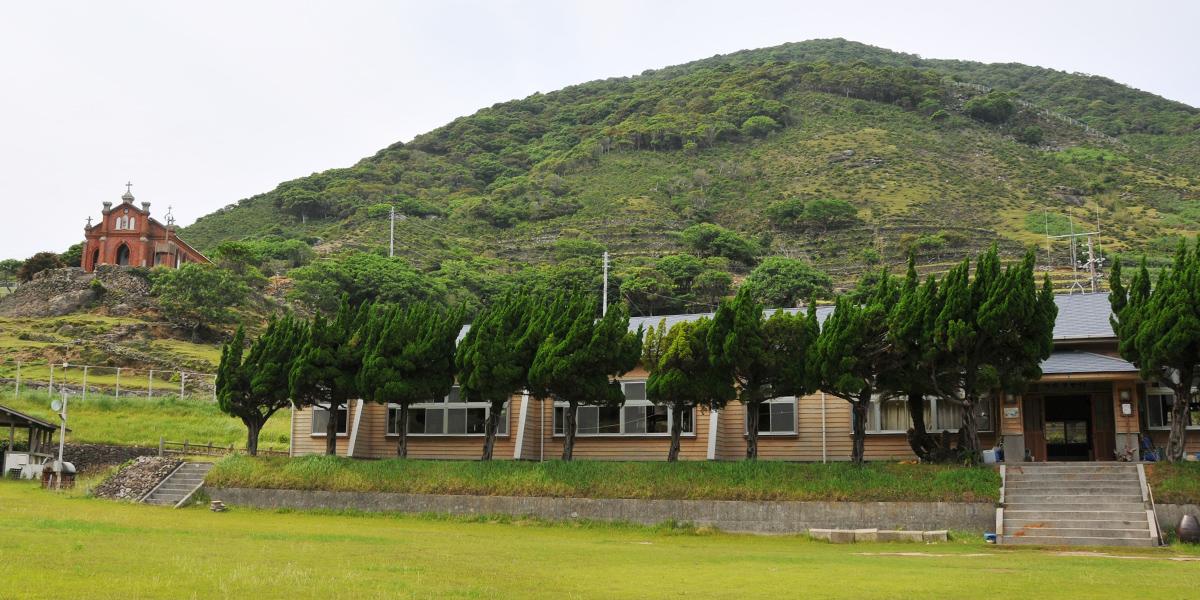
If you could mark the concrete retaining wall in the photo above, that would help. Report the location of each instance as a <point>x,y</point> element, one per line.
<point>1169,514</point>
<point>754,517</point>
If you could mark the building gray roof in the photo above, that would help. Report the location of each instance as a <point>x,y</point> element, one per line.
<point>1080,317</point>
<point>1074,361</point>
<point>1083,317</point>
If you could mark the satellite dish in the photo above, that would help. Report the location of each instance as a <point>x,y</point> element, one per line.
<point>56,405</point>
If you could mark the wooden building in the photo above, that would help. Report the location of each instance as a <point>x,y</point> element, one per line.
<point>1089,405</point>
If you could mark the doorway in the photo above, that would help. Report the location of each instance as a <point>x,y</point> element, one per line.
<point>123,255</point>
<point>1068,427</point>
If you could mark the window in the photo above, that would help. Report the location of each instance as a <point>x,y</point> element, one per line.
<point>637,416</point>
<point>890,415</point>
<point>1159,401</point>
<point>776,416</point>
<point>451,416</point>
<point>320,419</point>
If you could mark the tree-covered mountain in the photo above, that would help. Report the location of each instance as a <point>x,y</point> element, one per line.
<point>835,153</point>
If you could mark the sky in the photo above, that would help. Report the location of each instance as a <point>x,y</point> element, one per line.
<point>200,104</point>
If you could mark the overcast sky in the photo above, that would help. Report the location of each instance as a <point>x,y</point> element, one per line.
<point>200,104</point>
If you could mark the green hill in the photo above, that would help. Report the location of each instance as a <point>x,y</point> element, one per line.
<point>939,156</point>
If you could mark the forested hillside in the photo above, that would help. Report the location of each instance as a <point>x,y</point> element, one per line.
<point>784,163</point>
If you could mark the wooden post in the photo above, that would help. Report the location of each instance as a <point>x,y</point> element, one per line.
<point>18,379</point>
<point>150,385</point>
<point>118,383</point>
<point>160,446</point>
<point>185,446</point>
<point>85,370</point>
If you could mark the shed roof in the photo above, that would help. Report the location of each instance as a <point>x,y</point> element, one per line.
<point>1075,361</point>
<point>16,418</point>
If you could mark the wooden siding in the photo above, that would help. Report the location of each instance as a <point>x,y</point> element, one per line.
<point>304,442</point>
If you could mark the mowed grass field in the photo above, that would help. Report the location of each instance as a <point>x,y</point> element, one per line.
<point>60,546</point>
<point>140,421</point>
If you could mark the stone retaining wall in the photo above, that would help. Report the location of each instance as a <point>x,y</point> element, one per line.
<point>743,516</point>
<point>1169,514</point>
<point>91,457</point>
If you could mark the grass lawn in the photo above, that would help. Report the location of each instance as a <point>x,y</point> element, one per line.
<point>78,547</point>
<point>763,480</point>
<point>141,421</point>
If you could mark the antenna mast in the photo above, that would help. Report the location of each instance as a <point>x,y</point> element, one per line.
<point>604,297</point>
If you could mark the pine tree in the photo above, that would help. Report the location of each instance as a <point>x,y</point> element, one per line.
<point>493,359</point>
<point>991,335</point>
<point>766,357</point>
<point>326,371</point>
<point>852,354</point>
<point>409,360</point>
<point>580,358</point>
<point>255,389</point>
<point>1158,330</point>
<point>682,377</point>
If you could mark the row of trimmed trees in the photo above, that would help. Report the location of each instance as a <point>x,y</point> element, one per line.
<point>958,339</point>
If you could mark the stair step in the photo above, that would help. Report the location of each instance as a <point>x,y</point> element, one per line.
<point>1072,499</point>
<point>1089,524</point>
<point>1069,532</point>
<point>1075,541</point>
<point>1124,489</point>
<point>1078,509</point>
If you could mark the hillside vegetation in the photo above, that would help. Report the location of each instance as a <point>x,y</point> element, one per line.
<point>940,157</point>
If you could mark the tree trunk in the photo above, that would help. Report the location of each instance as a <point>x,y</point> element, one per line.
<point>859,409</point>
<point>253,428</point>
<point>970,429</point>
<point>402,430</point>
<point>1179,410</point>
<point>489,429</point>
<point>751,429</point>
<point>925,446</point>
<point>676,429</point>
<point>331,427</point>
<point>569,416</point>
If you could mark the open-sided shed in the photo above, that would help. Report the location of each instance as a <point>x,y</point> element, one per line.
<point>40,435</point>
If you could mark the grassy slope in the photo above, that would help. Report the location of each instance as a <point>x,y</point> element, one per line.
<point>598,479</point>
<point>1177,483</point>
<point>262,554</point>
<point>138,421</point>
<point>958,173</point>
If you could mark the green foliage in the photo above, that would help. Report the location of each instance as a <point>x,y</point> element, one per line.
<point>682,376</point>
<point>197,295</point>
<point>494,358</point>
<point>579,357</point>
<point>73,256</point>
<point>1158,329</point>
<point>707,239</point>
<point>37,263</point>
<point>408,358</point>
<point>325,372</point>
<point>784,282</point>
<point>993,107</point>
<point>759,126</point>
<point>256,388</point>
<point>820,215</point>
<point>363,277</point>
<point>765,357</point>
<point>272,255</point>
<point>1031,135</point>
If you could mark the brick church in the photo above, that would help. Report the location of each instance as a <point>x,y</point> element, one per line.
<point>127,236</point>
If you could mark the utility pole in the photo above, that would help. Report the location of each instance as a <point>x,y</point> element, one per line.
<point>392,235</point>
<point>604,298</point>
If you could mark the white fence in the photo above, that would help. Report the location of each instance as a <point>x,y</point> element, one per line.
<point>41,377</point>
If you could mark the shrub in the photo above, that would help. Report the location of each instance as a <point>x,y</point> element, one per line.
<point>995,107</point>
<point>759,126</point>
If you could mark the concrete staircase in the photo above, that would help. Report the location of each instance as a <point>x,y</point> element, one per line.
<point>1076,504</point>
<point>179,485</point>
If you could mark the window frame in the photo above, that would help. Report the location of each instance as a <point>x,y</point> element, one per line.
<point>875,415</point>
<point>324,406</point>
<point>795,430</point>
<point>558,430</point>
<point>1155,388</point>
<point>445,406</point>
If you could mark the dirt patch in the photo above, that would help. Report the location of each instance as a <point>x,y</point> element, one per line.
<point>137,478</point>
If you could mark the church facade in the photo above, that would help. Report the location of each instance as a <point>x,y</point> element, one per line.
<point>126,235</point>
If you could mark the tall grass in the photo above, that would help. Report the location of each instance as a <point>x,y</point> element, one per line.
<point>1175,483</point>
<point>594,479</point>
<point>132,420</point>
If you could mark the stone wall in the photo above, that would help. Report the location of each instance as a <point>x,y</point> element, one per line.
<point>752,517</point>
<point>1169,514</point>
<point>92,457</point>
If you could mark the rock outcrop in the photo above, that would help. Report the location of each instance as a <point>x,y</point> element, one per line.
<point>58,292</point>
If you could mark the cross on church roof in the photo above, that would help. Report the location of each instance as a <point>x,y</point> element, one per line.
<point>128,186</point>
<point>89,222</point>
